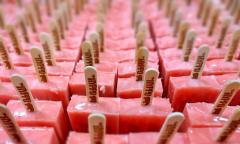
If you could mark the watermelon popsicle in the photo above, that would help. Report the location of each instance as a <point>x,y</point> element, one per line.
<point>200,115</point>
<point>186,89</point>
<point>54,87</point>
<point>147,116</point>
<point>77,82</point>
<point>229,133</point>
<point>96,121</point>
<point>7,92</point>
<point>28,112</point>
<point>11,133</point>
<point>131,87</point>
<point>167,134</point>
<point>81,106</point>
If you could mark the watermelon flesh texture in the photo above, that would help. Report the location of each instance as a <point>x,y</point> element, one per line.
<point>84,138</point>
<point>130,88</point>
<point>36,135</point>
<point>184,90</point>
<point>48,114</point>
<point>7,92</point>
<point>137,118</point>
<point>208,135</point>
<point>152,137</point>
<point>106,84</point>
<point>198,115</point>
<point>79,109</point>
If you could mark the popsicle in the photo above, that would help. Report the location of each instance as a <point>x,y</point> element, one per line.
<point>228,134</point>
<point>11,133</point>
<point>54,87</point>
<point>195,88</point>
<point>202,115</point>
<point>28,112</point>
<point>8,68</point>
<point>167,134</point>
<point>147,116</point>
<point>81,106</point>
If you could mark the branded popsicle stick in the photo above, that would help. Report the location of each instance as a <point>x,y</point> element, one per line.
<point>23,27</point>
<point>31,18</point>
<point>39,65</point>
<point>206,12</point>
<point>141,63</point>
<point>213,22</point>
<point>94,38</point>
<point>15,39</point>
<point>2,20</point>
<point>225,97</point>
<point>200,62</point>
<point>150,79</point>
<point>24,92</point>
<point>223,32</point>
<point>4,55</point>
<point>188,44</point>
<point>140,37</point>
<point>100,30</point>
<point>48,48</point>
<point>97,128</point>
<point>184,26</point>
<point>37,11</point>
<point>87,52</point>
<point>176,24</point>
<point>55,34</point>
<point>229,128</point>
<point>91,84</point>
<point>233,46</point>
<point>168,8</point>
<point>170,127</point>
<point>10,125</point>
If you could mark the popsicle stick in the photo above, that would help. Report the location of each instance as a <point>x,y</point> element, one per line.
<point>39,65</point>
<point>19,3</point>
<point>10,125</point>
<point>160,4</point>
<point>94,38</point>
<point>53,26</point>
<point>69,9</point>
<point>188,44</point>
<point>141,37</point>
<point>24,92</point>
<point>37,11</point>
<point>229,128</point>
<point>30,15</point>
<point>168,8</point>
<point>177,21</point>
<point>170,127</point>
<point>15,39</point>
<point>97,128</point>
<point>100,30</point>
<point>206,12</point>
<point>150,79</point>
<point>229,4</point>
<point>172,12</point>
<point>223,32</point>
<point>23,27</point>
<point>234,7</point>
<point>65,15</point>
<point>141,63</point>
<point>188,2</point>
<point>60,24</point>
<point>48,6</point>
<point>184,26</point>
<point>200,62</point>
<point>91,84</point>
<point>78,6</point>
<point>225,97</point>
<point>2,19</point>
<point>200,9</point>
<point>4,55</point>
<point>87,52</point>
<point>55,4</point>
<point>237,15</point>
<point>48,48</point>
<point>233,46</point>
<point>213,22</point>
